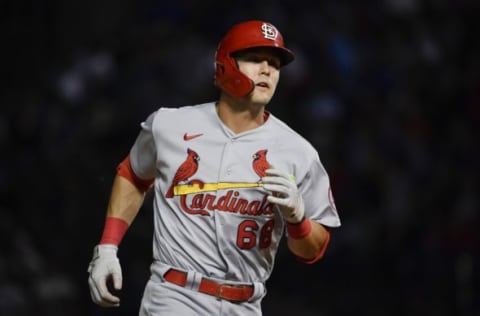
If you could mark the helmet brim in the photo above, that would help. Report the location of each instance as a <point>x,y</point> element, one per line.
<point>286,56</point>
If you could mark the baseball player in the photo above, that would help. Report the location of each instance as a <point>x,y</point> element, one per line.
<point>228,178</point>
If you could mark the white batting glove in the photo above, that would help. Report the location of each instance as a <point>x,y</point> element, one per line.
<point>104,266</point>
<point>285,194</point>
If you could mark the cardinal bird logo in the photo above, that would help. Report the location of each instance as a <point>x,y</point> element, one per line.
<point>185,171</point>
<point>260,163</point>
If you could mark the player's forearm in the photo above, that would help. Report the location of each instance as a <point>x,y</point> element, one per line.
<point>125,200</point>
<point>311,246</point>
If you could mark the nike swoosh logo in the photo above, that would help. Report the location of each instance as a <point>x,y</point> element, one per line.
<point>187,137</point>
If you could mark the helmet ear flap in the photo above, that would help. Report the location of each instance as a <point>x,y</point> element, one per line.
<point>231,80</point>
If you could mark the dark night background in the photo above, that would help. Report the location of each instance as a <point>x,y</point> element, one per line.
<point>387,91</point>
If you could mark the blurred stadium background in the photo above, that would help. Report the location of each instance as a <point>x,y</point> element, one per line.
<point>388,91</point>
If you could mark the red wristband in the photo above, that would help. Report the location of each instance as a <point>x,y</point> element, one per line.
<point>299,230</point>
<point>114,230</point>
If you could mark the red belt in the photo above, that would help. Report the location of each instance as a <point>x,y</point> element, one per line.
<point>234,293</point>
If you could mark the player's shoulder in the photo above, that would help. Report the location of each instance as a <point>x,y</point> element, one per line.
<point>185,109</point>
<point>285,134</point>
<point>174,114</point>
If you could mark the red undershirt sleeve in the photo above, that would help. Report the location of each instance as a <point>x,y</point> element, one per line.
<point>125,170</point>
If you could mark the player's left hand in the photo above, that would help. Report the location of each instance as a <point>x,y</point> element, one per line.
<point>285,194</point>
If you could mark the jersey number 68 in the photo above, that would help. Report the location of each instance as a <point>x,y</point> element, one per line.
<point>247,234</point>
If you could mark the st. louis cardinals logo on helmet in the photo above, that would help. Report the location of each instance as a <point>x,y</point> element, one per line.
<point>242,36</point>
<point>269,31</point>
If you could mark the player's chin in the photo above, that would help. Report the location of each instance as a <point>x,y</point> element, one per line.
<point>261,97</point>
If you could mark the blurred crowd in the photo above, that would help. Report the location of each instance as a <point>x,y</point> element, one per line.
<point>388,92</point>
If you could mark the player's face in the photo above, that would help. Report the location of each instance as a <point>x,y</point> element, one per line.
<point>263,68</point>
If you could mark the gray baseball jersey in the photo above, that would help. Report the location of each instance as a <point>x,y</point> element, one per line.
<point>211,213</point>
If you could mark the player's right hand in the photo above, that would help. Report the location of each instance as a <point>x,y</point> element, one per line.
<point>103,267</point>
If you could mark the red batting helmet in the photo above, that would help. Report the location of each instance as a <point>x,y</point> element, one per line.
<point>242,36</point>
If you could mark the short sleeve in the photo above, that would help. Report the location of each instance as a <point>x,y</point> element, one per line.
<point>143,152</point>
<point>317,194</point>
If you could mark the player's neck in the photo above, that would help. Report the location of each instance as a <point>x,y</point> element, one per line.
<point>240,117</point>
